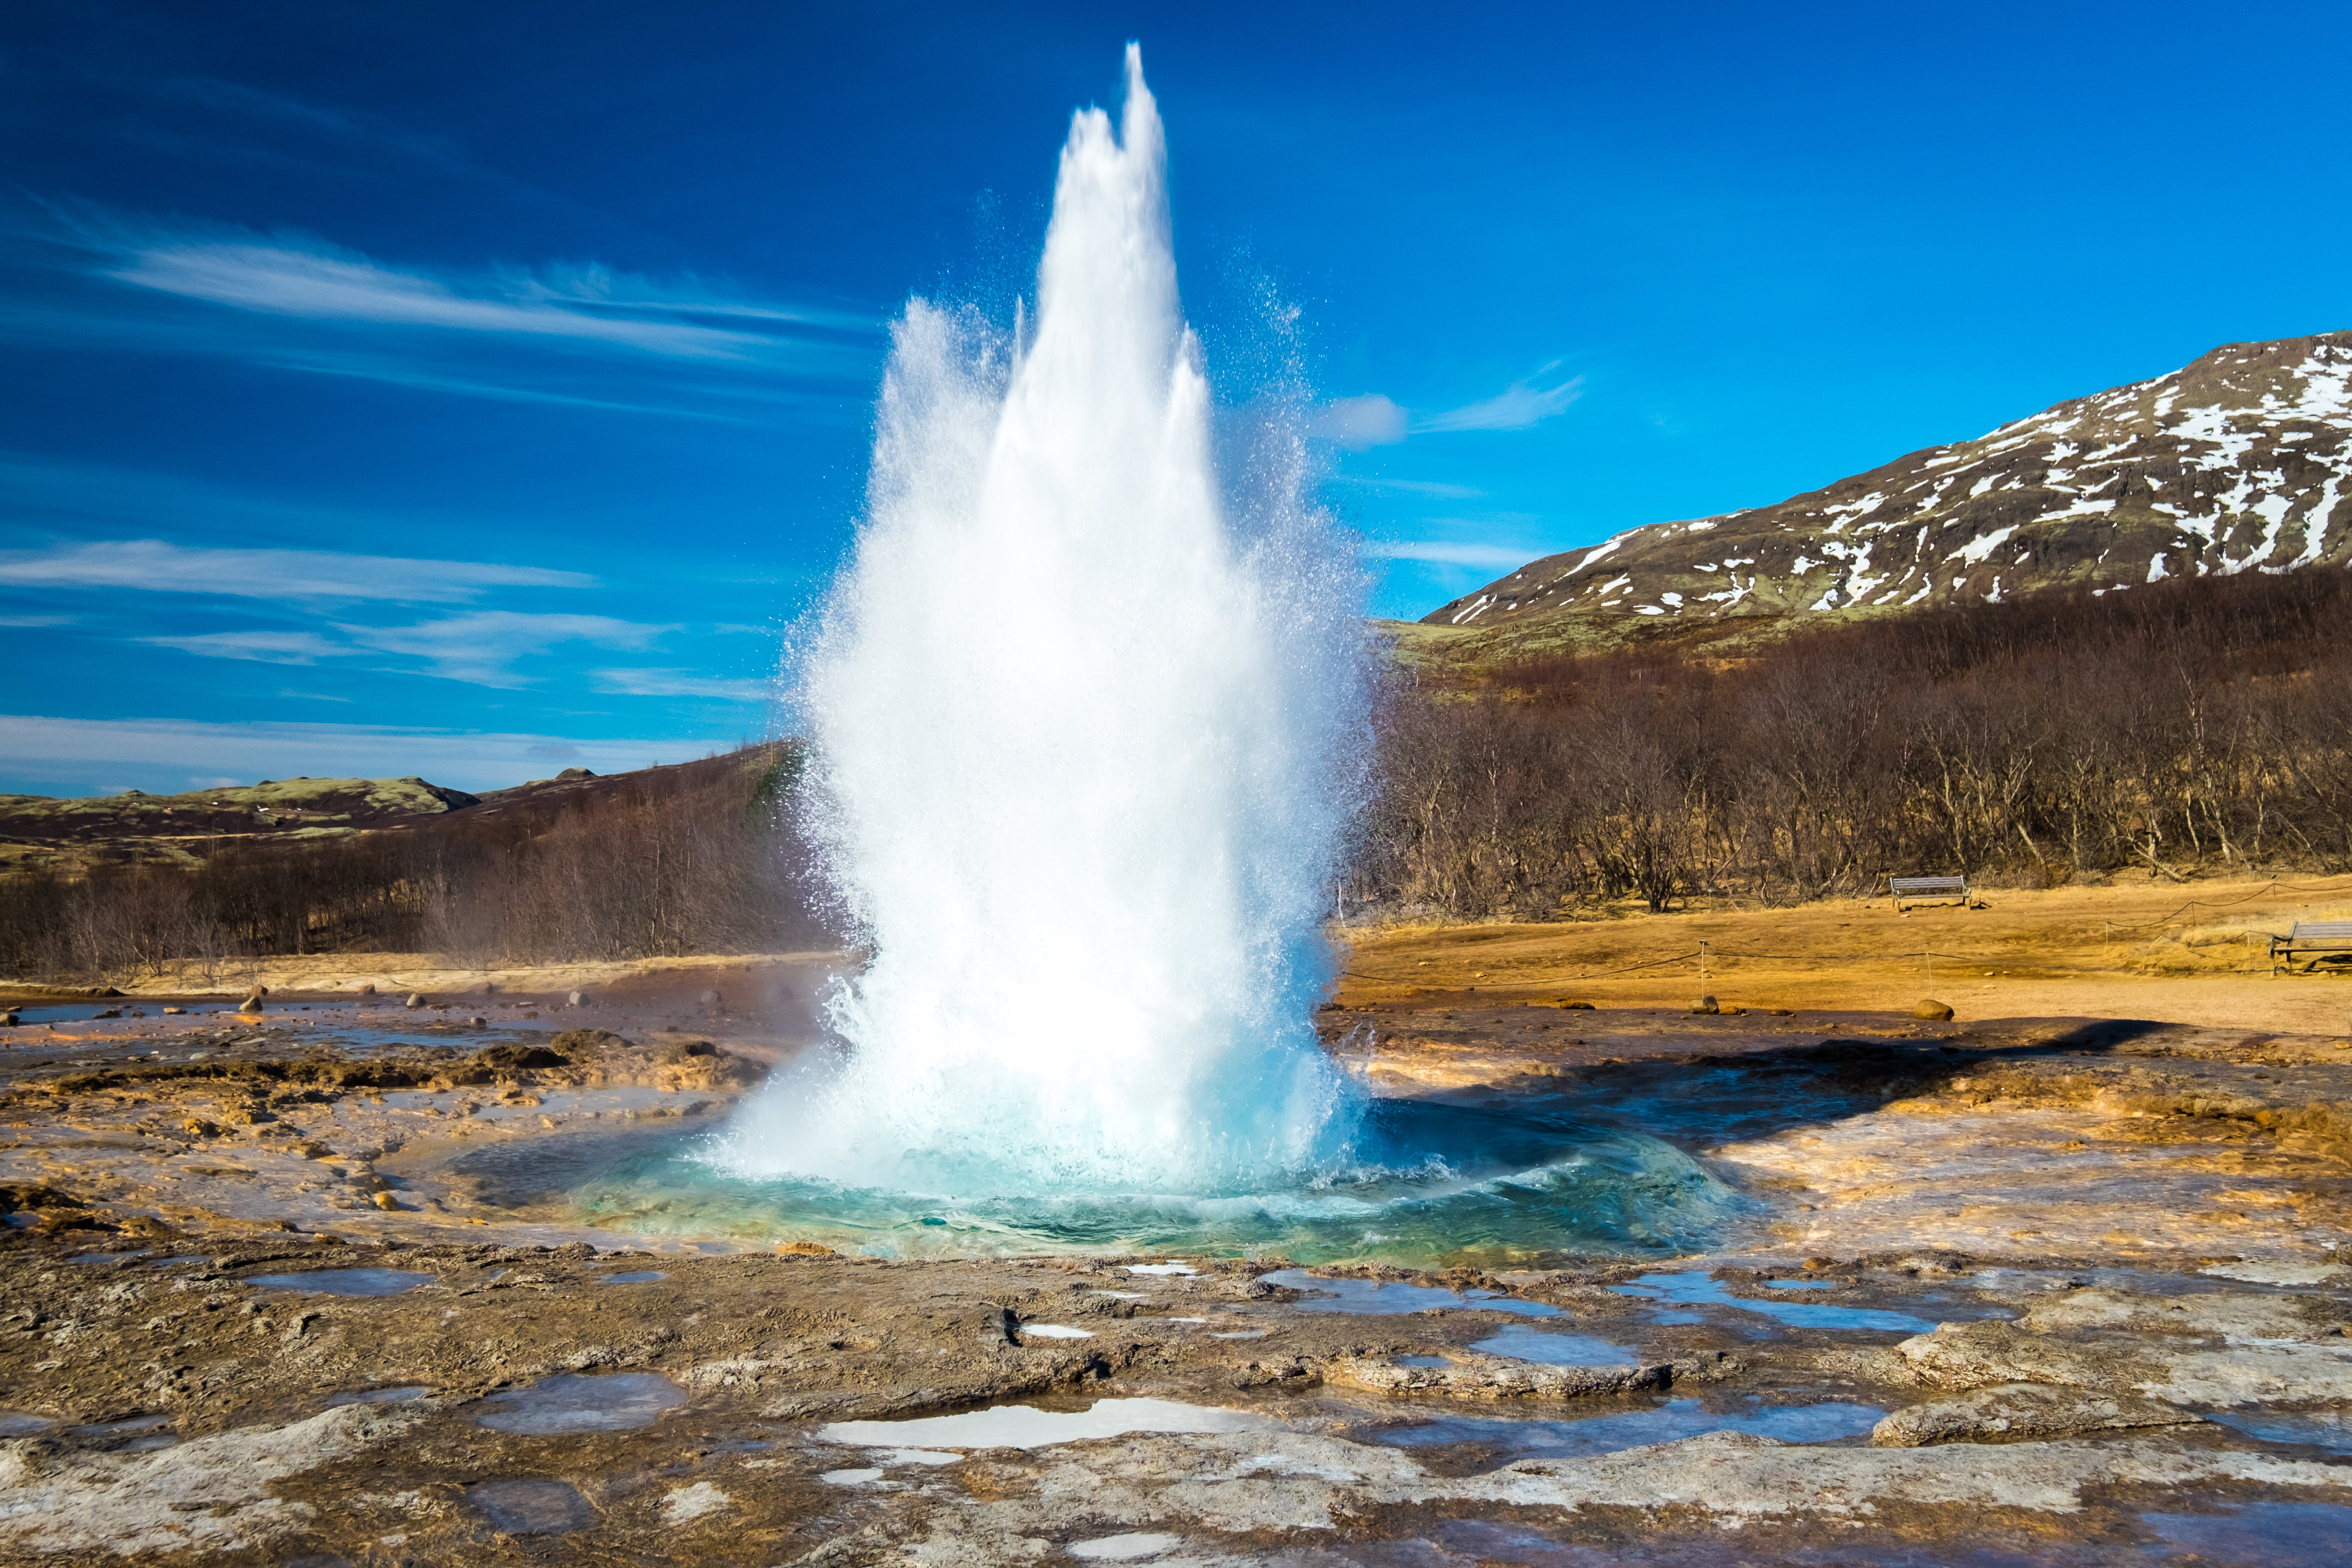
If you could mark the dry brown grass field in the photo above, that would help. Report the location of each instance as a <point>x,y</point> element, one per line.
<point>2193,954</point>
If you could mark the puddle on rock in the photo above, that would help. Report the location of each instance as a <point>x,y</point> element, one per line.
<point>1522,1342</point>
<point>1383,1297</point>
<point>637,1276</point>
<point>1056,1331</point>
<point>532,1507</point>
<point>105,1256</point>
<point>1698,1289</point>
<point>570,1402</point>
<point>1161,1269</point>
<point>378,1395</point>
<point>1027,1426</point>
<point>2262,1535</point>
<point>1667,1422</point>
<point>2329,1430</point>
<point>15,1423</point>
<point>1123,1548</point>
<point>139,1434</point>
<point>345,1281</point>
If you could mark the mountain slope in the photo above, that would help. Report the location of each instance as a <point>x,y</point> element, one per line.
<point>2238,462</point>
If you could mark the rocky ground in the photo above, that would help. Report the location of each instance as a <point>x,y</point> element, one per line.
<point>2027,1290</point>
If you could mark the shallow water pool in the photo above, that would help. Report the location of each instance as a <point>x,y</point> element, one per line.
<point>1684,1291</point>
<point>1666,1422</point>
<point>1027,1426</point>
<point>1523,1342</point>
<point>572,1402</point>
<point>345,1281</point>
<point>1432,1183</point>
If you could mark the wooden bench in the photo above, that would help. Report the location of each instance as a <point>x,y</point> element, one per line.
<point>2311,938</point>
<point>1928,889</point>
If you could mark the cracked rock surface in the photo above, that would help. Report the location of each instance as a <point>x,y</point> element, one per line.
<point>216,1347</point>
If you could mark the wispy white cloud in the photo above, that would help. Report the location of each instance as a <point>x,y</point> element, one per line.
<point>679,683</point>
<point>1521,405</point>
<point>1410,487</point>
<point>158,566</point>
<point>265,647</point>
<point>1358,424</point>
<point>1448,552</point>
<point>677,345</point>
<point>481,648</point>
<point>80,750</point>
<point>291,278</point>
<point>30,621</point>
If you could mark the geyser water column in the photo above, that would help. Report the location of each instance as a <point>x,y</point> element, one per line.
<point>1087,738</point>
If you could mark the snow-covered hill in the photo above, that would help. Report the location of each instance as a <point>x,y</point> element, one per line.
<point>2237,463</point>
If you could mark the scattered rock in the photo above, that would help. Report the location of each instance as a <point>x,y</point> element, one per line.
<point>106,1012</point>
<point>385,1201</point>
<point>577,998</point>
<point>1931,1008</point>
<point>803,1250</point>
<point>1003,1321</point>
<point>169,1012</point>
<point>2021,1410</point>
<point>8,1020</point>
<point>367,990</point>
<point>1704,1004</point>
<point>477,1021</point>
<point>684,1050</point>
<point>416,999</point>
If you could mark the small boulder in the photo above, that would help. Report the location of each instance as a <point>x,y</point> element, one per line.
<point>590,1040</point>
<point>416,999</point>
<point>577,998</point>
<point>8,1020</point>
<point>171,1011</point>
<point>2021,1410</point>
<point>803,1250</point>
<point>387,1201</point>
<point>477,1021</point>
<point>709,999</point>
<point>1003,1321</point>
<point>1931,1008</point>
<point>367,990</point>
<point>1704,1004</point>
<point>106,1012</point>
<point>520,1059</point>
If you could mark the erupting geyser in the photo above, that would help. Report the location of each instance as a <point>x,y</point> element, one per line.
<point>1090,721</point>
<point>1088,732</point>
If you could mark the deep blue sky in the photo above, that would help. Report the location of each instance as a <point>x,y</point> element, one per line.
<point>471,390</point>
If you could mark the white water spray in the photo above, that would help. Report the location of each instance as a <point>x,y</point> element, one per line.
<point>1087,729</point>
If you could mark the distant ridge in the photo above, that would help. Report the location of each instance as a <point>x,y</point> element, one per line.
<point>2238,462</point>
